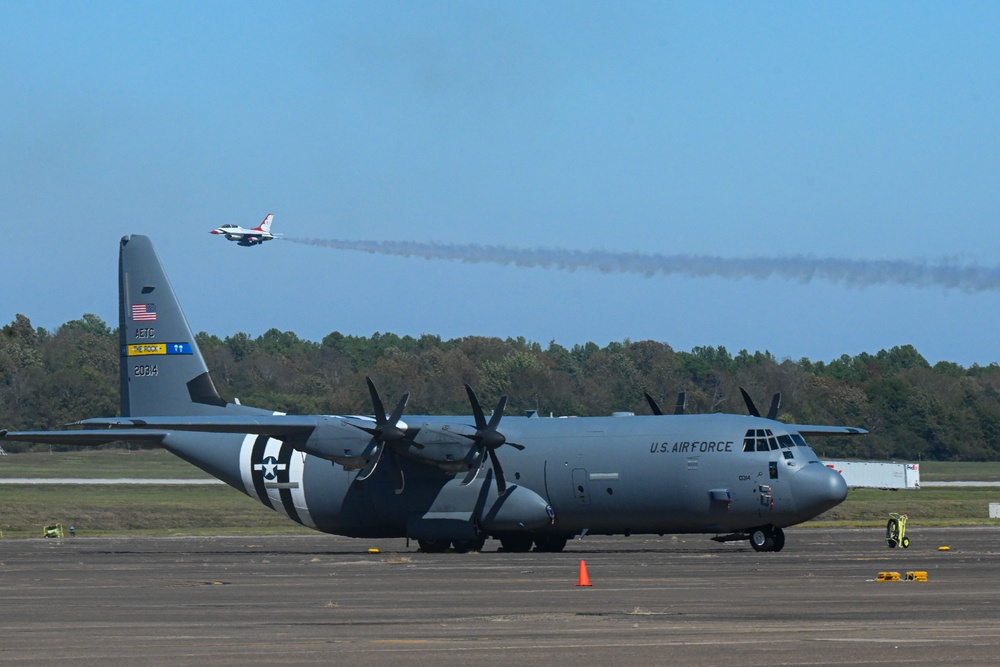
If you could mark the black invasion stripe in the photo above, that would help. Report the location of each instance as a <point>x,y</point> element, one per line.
<point>256,458</point>
<point>285,456</point>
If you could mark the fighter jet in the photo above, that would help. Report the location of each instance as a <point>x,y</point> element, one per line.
<point>248,237</point>
<point>439,479</point>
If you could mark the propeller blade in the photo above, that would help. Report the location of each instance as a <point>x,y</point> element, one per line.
<point>474,470</point>
<point>398,412</point>
<point>681,403</point>
<point>376,402</point>
<point>498,471</point>
<point>772,413</point>
<point>372,463</point>
<point>751,408</point>
<point>497,413</point>
<point>477,410</point>
<point>652,404</point>
<point>400,479</point>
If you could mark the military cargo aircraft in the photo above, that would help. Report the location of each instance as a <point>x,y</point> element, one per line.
<point>439,479</point>
<point>248,237</point>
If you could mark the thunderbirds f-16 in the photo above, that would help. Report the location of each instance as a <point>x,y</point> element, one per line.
<point>248,237</point>
<point>439,479</point>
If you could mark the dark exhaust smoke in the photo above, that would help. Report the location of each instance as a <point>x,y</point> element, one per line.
<point>946,274</point>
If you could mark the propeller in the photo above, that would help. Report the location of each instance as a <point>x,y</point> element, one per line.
<point>385,432</point>
<point>653,405</point>
<point>678,408</point>
<point>772,412</point>
<point>487,439</point>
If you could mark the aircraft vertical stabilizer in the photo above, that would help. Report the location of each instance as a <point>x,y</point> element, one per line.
<point>162,371</point>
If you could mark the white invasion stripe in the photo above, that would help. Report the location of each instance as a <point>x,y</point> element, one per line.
<point>273,448</point>
<point>106,480</point>
<point>246,465</point>
<point>296,474</point>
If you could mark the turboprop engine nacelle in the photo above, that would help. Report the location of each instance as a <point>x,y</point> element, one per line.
<point>339,440</point>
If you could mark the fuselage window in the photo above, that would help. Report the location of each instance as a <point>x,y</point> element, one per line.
<point>799,440</point>
<point>749,444</point>
<point>786,441</point>
<point>772,443</point>
<point>762,445</point>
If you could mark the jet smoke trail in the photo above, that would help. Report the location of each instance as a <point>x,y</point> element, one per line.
<point>946,274</point>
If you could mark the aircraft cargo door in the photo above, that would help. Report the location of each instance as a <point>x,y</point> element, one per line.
<point>580,486</point>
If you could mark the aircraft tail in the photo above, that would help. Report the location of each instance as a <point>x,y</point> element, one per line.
<point>266,225</point>
<point>162,371</point>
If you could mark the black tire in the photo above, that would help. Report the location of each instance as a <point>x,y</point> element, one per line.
<point>905,542</point>
<point>434,546</point>
<point>516,542</point>
<point>465,546</point>
<point>779,539</point>
<point>550,543</point>
<point>761,539</point>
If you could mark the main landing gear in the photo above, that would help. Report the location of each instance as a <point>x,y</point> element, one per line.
<point>510,542</point>
<point>461,546</point>
<point>767,538</point>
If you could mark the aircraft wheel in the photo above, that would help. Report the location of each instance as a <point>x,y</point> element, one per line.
<point>433,546</point>
<point>516,542</point>
<point>550,543</point>
<point>779,539</point>
<point>465,546</point>
<point>761,539</point>
<point>905,542</point>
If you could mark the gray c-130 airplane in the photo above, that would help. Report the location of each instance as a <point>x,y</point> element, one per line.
<point>439,479</point>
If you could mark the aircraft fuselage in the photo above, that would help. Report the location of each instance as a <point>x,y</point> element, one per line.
<point>608,475</point>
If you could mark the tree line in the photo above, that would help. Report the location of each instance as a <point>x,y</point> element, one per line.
<point>913,410</point>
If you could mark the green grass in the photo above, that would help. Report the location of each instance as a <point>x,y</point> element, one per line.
<point>136,510</point>
<point>958,471</point>
<point>98,463</point>
<point>959,506</point>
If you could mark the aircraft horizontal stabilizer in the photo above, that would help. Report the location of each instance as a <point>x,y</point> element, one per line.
<point>86,438</point>
<point>276,426</point>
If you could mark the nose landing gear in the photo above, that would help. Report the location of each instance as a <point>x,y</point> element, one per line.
<point>767,538</point>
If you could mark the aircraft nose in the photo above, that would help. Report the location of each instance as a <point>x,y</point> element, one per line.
<point>818,488</point>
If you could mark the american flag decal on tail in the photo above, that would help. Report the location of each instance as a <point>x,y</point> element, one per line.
<point>143,312</point>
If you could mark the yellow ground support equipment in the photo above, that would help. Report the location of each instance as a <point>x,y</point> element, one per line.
<point>888,576</point>
<point>895,531</point>
<point>55,530</point>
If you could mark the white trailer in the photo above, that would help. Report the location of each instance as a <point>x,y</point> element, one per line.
<point>877,475</point>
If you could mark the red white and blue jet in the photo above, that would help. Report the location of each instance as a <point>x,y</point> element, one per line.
<point>248,237</point>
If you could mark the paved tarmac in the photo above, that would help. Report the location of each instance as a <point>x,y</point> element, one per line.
<point>681,600</point>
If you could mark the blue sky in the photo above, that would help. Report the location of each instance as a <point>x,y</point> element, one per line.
<point>855,130</point>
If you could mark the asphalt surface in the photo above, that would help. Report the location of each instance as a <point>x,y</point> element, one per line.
<point>681,600</point>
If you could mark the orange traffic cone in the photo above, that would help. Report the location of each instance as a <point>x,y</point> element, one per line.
<point>584,578</point>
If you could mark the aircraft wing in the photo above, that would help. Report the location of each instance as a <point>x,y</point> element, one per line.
<point>276,426</point>
<point>86,437</point>
<point>823,431</point>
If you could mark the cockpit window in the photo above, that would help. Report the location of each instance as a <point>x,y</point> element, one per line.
<point>760,440</point>
<point>764,440</point>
